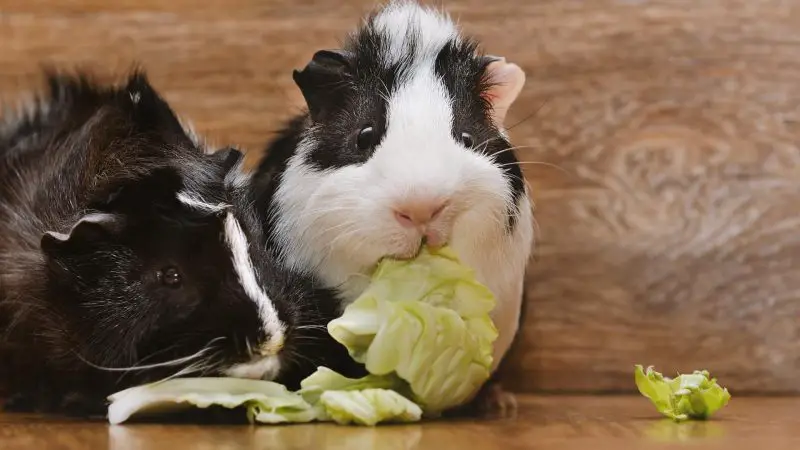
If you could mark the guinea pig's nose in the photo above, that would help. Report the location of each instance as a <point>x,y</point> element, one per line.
<point>416,213</point>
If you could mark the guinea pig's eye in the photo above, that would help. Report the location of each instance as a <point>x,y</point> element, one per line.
<point>169,276</point>
<point>467,140</point>
<point>366,138</point>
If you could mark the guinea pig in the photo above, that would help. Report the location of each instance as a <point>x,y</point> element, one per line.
<point>129,254</point>
<point>403,142</point>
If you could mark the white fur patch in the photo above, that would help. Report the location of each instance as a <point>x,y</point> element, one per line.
<point>402,19</point>
<point>97,218</point>
<point>196,202</point>
<point>242,264</point>
<point>263,369</point>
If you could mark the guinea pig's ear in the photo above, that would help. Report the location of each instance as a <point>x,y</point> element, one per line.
<point>321,81</point>
<point>228,158</point>
<point>150,112</point>
<point>158,187</point>
<point>505,81</point>
<point>91,228</point>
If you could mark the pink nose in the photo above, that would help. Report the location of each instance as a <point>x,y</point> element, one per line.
<point>418,213</point>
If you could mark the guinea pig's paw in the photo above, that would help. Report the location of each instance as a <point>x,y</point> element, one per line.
<point>497,402</point>
<point>492,401</point>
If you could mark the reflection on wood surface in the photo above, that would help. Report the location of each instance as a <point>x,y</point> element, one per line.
<point>541,423</point>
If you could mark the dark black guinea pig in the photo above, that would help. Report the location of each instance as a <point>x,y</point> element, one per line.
<point>128,253</point>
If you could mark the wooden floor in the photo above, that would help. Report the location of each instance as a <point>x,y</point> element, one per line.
<point>594,423</point>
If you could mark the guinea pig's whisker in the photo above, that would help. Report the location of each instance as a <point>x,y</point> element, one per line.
<point>311,211</point>
<point>385,94</point>
<point>174,362</point>
<point>511,149</point>
<point>538,163</point>
<point>359,275</point>
<point>150,357</point>
<point>201,367</point>
<point>529,116</point>
<point>315,338</point>
<point>314,219</point>
<point>296,356</point>
<point>487,195</point>
<point>484,145</point>
<point>344,235</point>
<point>334,227</point>
<point>210,367</point>
<point>321,213</point>
<point>311,327</point>
<point>188,370</point>
<point>355,246</point>
<point>308,338</point>
<point>249,348</point>
<point>159,352</point>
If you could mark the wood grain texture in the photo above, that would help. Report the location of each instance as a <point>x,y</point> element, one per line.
<point>668,235</point>
<point>543,423</point>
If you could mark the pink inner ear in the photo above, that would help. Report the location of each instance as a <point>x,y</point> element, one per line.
<point>507,81</point>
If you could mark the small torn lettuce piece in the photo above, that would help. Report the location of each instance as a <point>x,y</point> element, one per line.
<point>325,379</point>
<point>367,401</point>
<point>688,396</point>
<point>426,321</point>
<point>368,407</point>
<point>266,402</point>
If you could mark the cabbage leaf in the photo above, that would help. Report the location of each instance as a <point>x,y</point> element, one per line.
<point>427,322</point>
<point>688,396</point>
<point>368,407</point>
<point>266,402</point>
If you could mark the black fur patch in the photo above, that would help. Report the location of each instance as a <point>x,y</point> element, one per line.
<point>463,73</point>
<point>362,90</point>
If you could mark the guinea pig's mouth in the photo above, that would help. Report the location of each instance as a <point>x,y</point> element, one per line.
<point>410,252</point>
<point>259,368</point>
<point>414,248</point>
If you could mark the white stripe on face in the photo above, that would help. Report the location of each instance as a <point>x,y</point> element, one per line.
<point>242,264</point>
<point>404,20</point>
<point>263,369</point>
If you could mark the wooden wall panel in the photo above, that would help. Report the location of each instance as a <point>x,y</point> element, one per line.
<point>660,138</point>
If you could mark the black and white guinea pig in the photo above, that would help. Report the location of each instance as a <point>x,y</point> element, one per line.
<point>128,254</point>
<point>404,141</point>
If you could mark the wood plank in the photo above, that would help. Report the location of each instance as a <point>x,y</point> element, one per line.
<point>668,234</point>
<point>673,239</point>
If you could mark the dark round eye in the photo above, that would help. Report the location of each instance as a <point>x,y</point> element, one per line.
<point>169,276</point>
<point>467,140</point>
<point>366,138</point>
